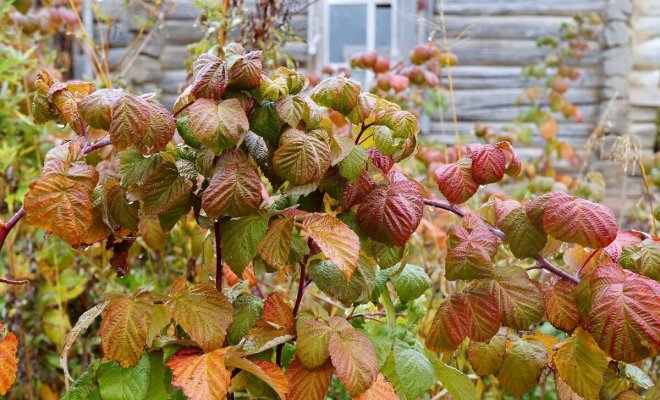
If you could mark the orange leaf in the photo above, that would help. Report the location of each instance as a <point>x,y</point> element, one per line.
<point>200,376</point>
<point>308,384</point>
<point>60,201</point>
<point>124,328</point>
<point>275,246</point>
<point>338,242</point>
<point>8,361</point>
<point>203,312</point>
<point>276,311</point>
<point>267,371</point>
<point>380,390</point>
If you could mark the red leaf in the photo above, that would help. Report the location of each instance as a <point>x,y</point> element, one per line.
<point>355,192</point>
<point>381,161</point>
<point>455,181</point>
<point>488,163</point>
<point>465,314</point>
<point>560,307</point>
<point>276,311</point>
<point>574,220</point>
<point>623,238</point>
<point>625,313</point>
<point>209,77</point>
<point>391,212</point>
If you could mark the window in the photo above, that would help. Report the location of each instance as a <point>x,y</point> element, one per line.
<point>356,26</point>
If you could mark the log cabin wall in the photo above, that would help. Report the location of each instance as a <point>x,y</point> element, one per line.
<point>495,39</point>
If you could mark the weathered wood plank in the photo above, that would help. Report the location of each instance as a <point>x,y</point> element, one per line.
<point>645,96</point>
<point>647,54</point>
<point>491,77</point>
<point>505,52</point>
<point>522,7</point>
<point>501,27</point>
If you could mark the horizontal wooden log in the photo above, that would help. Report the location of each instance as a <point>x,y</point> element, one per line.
<point>500,27</point>
<point>644,114</point>
<point>523,7</point>
<point>505,52</point>
<point>647,54</point>
<point>493,77</point>
<point>645,96</point>
<point>181,32</point>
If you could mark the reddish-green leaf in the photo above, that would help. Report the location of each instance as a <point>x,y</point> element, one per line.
<point>402,123</point>
<point>339,93</point>
<point>581,363</point>
<point>209,77</point>
<point>290,109</point>
<point>163,188</point>
<point>468,261</point>
<point>488,163</point>
<point>574,220</point>
<point>275,246</point>
<point>301,158</point>
<point>338,242</point>
<point>465,314</point>
<point>643,259</point>
<point>220,126</point>
<point>241,236</point>
<point>366,104</point>
<point>308,384</point>
<point>624,316</point>
<point>473,231</point>
<point>560,307</point>
<point>391,212</point>
<point>200,376</point>
<point>8,361</point>
<point>244,71</point>
<point>487,358</point>
<point>60,201</point>
<point>524,238</point>
<point>522,366</point>
<point>159,132</point>
<point>455,181</point>
<point>96,109</point>
<point>353,356</point>
<point>520,301</point>
<point>202,312</point>
<point>130,120</point>
<point>124,328</point>
<point>235,188</point>
<point>354,192</point>
<point>312,343</point>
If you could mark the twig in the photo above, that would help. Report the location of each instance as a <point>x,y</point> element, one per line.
<point>301,286</point>
<point>96,146</point>
<point>542,262</point>
<point>176,114</point>
<point>218,255</point>
<point>364,128</point>
<point>14,281</point>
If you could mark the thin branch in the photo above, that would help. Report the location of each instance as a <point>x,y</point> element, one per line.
<point>542,262</point>
<point>301,286</point>
<point>96,146</point>
<point>364,128</point>
<point>14,281</point>
<point>218,255</point>
<point>176,114</point>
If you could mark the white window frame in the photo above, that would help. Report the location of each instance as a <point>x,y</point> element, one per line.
<point>371,31</point>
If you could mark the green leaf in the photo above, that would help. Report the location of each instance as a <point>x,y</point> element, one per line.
<point>241,237</point>
<point>402,123</point>
<point>331,281</point>
<point>117,383</point>
<point>643,258</point>
<point>522,366</point>
<point>414,371</point>
<point>163,189</point>
<point>581,364</point>
<point>84,385</point>
<point>117,210</point>
<point>339,93</point>
<point>457,384</point>
<point>273,89</point>
<point>159,379</point>
<point>301,158</point>
<point>247,310</point>
<point>312,342</point>
<point>220,126</point>
<point>186,133</point>
<point>235,188</point>
<point>384,140</point>
<point>524,238</point>
<point>354,164</point>
<point>265,122</point>
<point>411,283</point>
<point>134,168</point>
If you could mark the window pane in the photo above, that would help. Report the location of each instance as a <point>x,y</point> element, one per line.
<point>348,31</point>
<point>383,28</point>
